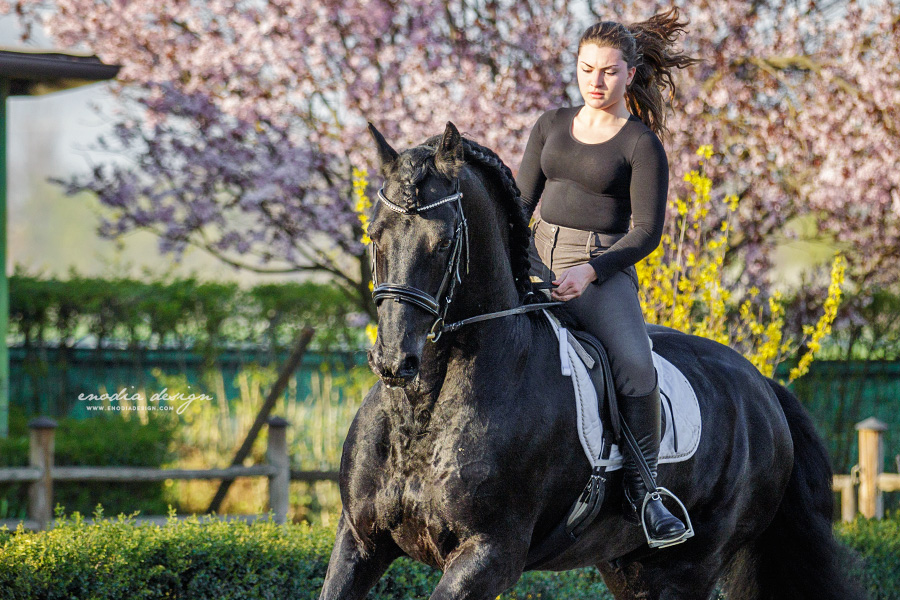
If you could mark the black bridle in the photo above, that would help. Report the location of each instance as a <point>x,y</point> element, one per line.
<point>439,304</point>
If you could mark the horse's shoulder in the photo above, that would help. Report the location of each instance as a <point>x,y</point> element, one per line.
<point>369,425</point>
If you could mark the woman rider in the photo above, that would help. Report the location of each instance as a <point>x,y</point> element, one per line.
<point>594,168</point>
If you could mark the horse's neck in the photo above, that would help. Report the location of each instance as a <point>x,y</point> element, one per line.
<point>462,356</point>
<point>488,286</point>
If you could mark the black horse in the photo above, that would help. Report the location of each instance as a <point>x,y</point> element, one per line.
<point>465,454</point>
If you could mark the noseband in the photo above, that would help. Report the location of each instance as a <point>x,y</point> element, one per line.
<point>439,304</point>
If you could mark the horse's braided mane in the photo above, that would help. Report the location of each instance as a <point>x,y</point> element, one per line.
<point>519,232</point>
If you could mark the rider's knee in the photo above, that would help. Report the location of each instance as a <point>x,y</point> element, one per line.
<point>633,374</point>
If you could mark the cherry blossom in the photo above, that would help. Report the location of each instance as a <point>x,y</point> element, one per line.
<point>257,112</point>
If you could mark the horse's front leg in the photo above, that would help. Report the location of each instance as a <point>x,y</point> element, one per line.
<point>353,569</point>
<point>481,570</point>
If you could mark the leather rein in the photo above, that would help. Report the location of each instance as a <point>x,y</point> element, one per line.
<point>439,304</point>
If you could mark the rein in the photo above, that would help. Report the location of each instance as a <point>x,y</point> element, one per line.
<point>439,304</point>
<point>451,327</point>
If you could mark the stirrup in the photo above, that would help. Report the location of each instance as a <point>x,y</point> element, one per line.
<point>657,494</point>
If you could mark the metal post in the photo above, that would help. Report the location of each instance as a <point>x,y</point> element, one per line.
<point>871,464</point>
<point>4,283</point>
<point>40,494</point>
<point>280,482</point>
<point>848,499</point>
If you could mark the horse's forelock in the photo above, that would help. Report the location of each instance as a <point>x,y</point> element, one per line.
<point>413,166</point>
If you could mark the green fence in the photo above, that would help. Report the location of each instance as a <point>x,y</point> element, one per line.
<point>48,381</point>
<point>839,394</point>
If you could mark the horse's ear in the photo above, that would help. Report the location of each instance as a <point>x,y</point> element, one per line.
<point>449,155</point>
<point>386,155</point>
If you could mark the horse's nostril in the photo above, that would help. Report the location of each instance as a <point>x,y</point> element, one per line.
<point>409,366</point>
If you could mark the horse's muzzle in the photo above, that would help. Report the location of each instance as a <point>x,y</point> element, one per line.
<point>397,371</point>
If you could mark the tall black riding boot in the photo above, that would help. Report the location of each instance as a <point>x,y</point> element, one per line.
<point>642,415</point>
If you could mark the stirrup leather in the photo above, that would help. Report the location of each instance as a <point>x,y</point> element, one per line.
<point>657,494</point>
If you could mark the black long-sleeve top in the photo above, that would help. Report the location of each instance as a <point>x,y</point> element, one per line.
<point>598,187</point>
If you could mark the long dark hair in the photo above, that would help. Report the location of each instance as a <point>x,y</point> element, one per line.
<point>647,45</point>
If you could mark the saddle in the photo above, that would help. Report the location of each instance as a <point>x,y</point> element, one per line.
<point>594,357</point>
<point>585,509</point>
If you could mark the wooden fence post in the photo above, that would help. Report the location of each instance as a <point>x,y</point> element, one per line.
<point>40,452</point>
<point>284,377</point>
<point>846,485</point>
<point>277,456</point>
<point>871,464</point>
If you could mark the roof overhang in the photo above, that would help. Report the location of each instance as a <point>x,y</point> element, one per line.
<point>33,73</point>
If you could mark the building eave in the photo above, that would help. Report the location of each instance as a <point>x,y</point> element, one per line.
<point>42,72</point>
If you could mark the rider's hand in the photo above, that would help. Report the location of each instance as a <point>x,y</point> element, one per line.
<point>573,282</point>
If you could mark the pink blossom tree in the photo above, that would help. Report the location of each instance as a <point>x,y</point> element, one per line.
<point>256,113</point>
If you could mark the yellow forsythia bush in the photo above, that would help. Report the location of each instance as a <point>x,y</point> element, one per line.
<point>682,287</point>
<point>682,283</point>
<point>363,207</point>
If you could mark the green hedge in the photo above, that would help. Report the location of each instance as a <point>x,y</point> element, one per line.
<point>878,543</point>
<point>202,559</point>
<point>204,316</point>
<point>82,334</point>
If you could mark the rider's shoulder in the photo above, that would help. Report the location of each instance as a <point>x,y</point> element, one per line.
<point>547,119</point>
<point>553,113</point>
<point>644,140</point>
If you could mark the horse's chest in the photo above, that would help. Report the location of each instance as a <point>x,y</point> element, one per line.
<point>428,503</point>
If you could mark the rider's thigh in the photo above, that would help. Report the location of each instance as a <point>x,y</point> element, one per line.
<point>611,312</point>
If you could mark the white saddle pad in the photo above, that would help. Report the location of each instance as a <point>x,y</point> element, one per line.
<point>679,404</point>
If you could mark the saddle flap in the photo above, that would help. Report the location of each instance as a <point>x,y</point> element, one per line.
<point>601,376</point>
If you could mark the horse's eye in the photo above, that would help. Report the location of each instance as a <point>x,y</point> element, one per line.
<point>445,243</point>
